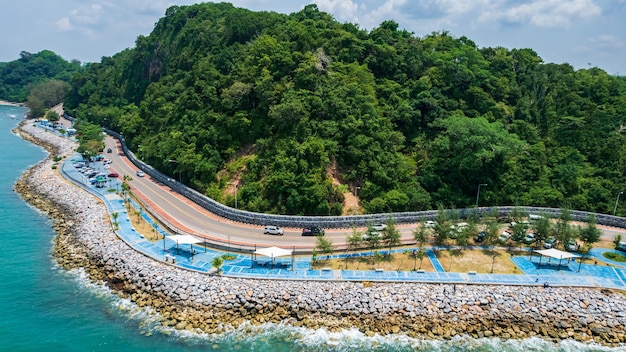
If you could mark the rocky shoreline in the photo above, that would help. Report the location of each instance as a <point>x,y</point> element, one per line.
<point>198,302</point>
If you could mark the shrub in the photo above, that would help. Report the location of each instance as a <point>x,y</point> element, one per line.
<point>614,257</point>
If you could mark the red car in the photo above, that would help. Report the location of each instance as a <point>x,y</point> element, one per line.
<point>113,174</point>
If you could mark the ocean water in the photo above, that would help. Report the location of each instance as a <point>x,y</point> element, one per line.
<point>46,308</point>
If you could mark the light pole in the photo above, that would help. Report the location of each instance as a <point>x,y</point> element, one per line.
<point>478,192</point>
<point>356,191</point>
<point>493,261</point>
<point>617,201</point>
<point>180,177</point>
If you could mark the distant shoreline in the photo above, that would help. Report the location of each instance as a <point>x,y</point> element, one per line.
<point>4,102</point>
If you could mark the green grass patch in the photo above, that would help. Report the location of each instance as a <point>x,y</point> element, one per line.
<point>228,256</point>
<point>614,256</point>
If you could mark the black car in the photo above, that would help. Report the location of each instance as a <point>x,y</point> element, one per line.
<point>313,231</point>
<point>480,236</point>
<point>109,150</point>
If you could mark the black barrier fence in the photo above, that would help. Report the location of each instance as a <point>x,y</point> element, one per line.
<point>261,219</point>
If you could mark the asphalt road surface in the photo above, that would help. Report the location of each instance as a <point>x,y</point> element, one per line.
<point>194,219</point>
<point>190,217</point>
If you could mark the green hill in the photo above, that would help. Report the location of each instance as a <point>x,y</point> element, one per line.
<point>289,112</point>
<point>19,77</point>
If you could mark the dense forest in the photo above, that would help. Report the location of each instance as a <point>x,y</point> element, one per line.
<point>18,78</point>
<point>287,113</point>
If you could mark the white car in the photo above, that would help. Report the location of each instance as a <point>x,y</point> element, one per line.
<point>572,246</point>
<point>504,236</point>
<point>140,173</point>
<point>273,230</point>
<point>459,227</point>
<point>373,234</point>
<point>379,227</point>
<point>429,223</point>
<point>529,239</point>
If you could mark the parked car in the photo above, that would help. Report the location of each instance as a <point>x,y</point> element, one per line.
<point>429,223</point>
<point>549,243</point>
<point>379,227</point>
<point>529,239</point>
<point>313,231</point>
<point>621,246</point>
<point>273,230</point>
<point>114,174</point>
<point>504,236</point>
<point>460,226</point>
<point>572,246</point>
<point>109,150</point>
<point>456,229</point>
<point>140,173</point>
<point>480,237</point>
<point>523,222</point>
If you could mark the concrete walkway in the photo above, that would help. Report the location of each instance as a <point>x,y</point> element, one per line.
<point>532,272</point>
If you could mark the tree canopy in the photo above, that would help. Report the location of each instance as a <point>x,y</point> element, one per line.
<point>19,77</point>
<point>295,109</point>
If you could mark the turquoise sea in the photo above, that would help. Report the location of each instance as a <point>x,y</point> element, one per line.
<point>46,308</point>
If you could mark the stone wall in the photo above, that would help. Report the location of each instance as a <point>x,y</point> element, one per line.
<point>201,303</point>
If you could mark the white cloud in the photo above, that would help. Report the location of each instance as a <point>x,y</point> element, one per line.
<point>342,10</point>
<point>388,10</point>
<point>603,42</point>
<point>542,13</point>
<point>64,24</point>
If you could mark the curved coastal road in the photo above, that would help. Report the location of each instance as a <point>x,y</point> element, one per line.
<point>194,219</point>
<point>191,218</point>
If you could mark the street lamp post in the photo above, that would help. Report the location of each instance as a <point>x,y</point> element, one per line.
<point>493,261</point>
<point>617,201</point>
<point>478,192</point>
<point>180,177</point>
<point>356,191</point>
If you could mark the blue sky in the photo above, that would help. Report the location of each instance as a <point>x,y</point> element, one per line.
<point>584,33</point>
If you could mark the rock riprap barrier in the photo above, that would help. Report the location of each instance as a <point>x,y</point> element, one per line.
<point>194,301</point>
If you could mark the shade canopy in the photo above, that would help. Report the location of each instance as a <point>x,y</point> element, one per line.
<point>555,253</point>
<point>185,239</point>
<point>273,252</point>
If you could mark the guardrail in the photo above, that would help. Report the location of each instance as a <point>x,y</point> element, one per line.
<point>261,219</point>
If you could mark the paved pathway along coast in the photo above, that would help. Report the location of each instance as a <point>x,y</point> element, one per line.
<point>195,301</point>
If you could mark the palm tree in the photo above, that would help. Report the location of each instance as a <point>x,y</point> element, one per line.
<point>217,263</point>
<point>116,224</point>
<point>324,245</point>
